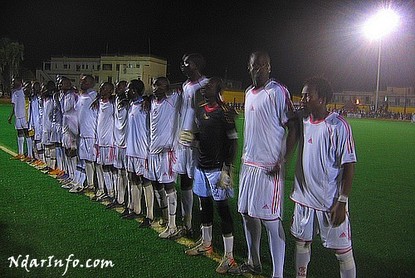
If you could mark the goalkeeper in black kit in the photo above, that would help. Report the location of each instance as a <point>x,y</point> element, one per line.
<point>213,183</point>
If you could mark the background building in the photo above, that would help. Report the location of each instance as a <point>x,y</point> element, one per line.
<point>111,68</point>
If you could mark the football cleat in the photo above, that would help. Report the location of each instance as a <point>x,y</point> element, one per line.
<point>170,233</point>
<point>228,265</point>
<point>199,249</point>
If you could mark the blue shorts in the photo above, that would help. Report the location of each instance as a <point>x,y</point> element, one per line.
<point>206,182</point>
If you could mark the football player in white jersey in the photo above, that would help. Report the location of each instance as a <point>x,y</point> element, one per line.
<point>87,122</point>
<point>217,139</point>
<point>18,110</point>
<point>104,104</point>
<point>192,66</point>
<point>266,145</point>
<point>163,135</point>
<point>68,100</point>
<point>48,91</point>
<point>35,122</point>
<point>323,180</point>
<point>120,158</point>
<point>137,148</point>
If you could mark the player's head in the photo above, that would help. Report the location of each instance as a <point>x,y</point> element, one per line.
<point>27,88</point>
<point>106,89</point>
<point>48,89</point>
<point>121,87</point>
<point>87,82</point>
<point>135,89</point>
<point>213,89</point>
<point>64,83</point>
<point>317,92</point>
<point>161,86</point>
<point>259,68</point>
<point>192,63</point>
<point>36,87</point>
<point>17,82</point>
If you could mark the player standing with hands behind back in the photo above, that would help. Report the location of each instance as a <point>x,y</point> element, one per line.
<point>323,180</point>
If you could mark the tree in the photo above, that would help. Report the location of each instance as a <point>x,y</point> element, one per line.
<point>11,56</point>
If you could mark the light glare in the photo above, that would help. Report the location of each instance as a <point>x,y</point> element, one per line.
<point>381,24</point>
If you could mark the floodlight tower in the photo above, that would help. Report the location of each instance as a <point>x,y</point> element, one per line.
<point>377,27</point>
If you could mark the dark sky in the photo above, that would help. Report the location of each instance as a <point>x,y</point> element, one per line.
<point>304,38</point>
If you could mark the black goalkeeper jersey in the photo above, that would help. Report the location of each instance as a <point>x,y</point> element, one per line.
<point>216,130</point>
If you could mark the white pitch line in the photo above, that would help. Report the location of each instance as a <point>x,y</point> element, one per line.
<point>6,150</point>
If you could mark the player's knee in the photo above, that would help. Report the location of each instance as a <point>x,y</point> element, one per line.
<point>206,212</point>
<point>345,258</point>
<point>225,216</point>
<point>186,183</point>
<point>303,246</point>
<point>157,186</point>
<point>170,187</point>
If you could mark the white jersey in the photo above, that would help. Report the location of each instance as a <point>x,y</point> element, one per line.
<point>70,115</point>
<point>120,123</point>
<point>324,147</point>
<point>163,123</point>
<point>47,115</point>
<point>137,131</point>
<point>188,105</point>
<point>265,118</point>
<point>105,124</point>
<point>18,99</point>
<point>87,117</point>
<point>35,121</point>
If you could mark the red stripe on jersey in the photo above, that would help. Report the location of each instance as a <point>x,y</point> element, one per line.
<point>349,141</point>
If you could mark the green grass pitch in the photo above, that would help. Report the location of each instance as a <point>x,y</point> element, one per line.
<point>39,219</point>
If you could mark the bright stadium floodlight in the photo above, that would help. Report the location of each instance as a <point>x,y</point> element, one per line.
<point>377,27</point>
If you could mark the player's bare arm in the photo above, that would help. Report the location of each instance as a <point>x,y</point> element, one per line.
<point>338,210</point>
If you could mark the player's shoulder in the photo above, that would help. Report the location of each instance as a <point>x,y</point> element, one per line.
<point>335,119</point>
<point>277,86</point>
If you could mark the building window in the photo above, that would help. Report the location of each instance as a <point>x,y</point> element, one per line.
<point>78,67</point>
<point>137,66</point>
<point>106,66</point>
<point>83,66</point>
<point>110,79</point>
<point>86,66</point>
<point>65,66</point>
<point>47,66</point>
<point>117,67</point>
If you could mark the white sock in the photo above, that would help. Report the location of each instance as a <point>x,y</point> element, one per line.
<point>52,157</point>
<point>90,171</point>
<point>187,207</point>
<point>228,246</point>
<point>276,239</point>
<point>172,207</point>
<point>252,227</point>
<point>29,144</point>
<point>122,185</point>
<point>149,197</point>
<point>347,264</point>
<point>108,182</point>
<point>72,166</point>
<point>302,258</point>
<point>100,177</point>
<point>114,175</point>
<point>59,158</point>
<point>20,143</point>
<point>136,191</point>
<point>207,235</point>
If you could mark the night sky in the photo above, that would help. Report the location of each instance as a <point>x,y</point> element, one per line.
<point>304,38</point>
